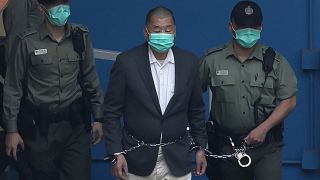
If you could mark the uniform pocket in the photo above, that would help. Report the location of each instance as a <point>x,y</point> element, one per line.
<point>73,57</point>
<point>223,87</point>
<point>70,64</point>
<point>223,81</point>
<point>41,60</point>
<point>258,82</point>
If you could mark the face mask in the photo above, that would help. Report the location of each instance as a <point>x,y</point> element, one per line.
<point>161,42</point>
<point>247,37</point>
<point>58,15</point>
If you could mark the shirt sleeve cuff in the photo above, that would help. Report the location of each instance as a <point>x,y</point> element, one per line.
<point>12,127</point>
<point>97,113</point>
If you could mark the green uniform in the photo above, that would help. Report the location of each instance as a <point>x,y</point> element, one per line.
<point>45,72</point>
<point>235,87</point>
<point>51,70</point>
<point>18,15</point>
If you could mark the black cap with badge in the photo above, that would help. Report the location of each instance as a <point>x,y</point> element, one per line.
<point>246,14</point>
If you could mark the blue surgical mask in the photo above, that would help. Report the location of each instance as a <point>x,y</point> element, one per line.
<point>161,42</point>
<point>247,37</point>
<point>58,15</point>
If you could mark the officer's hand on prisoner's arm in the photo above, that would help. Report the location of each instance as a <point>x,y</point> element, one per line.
<point>120,168</point>
<point>12,142</point>
<point>256,136</point>
<point>201,162</point>
<point>96,133</point>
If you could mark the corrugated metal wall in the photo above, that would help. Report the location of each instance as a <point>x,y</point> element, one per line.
<point>290,26</point>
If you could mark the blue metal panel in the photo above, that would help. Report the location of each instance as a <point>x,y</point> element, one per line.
<point>100,169</point>
<point>311,154</point>
<point>310,59</point>
<point>289,27</point>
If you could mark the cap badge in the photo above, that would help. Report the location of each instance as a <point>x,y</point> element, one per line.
<point>248,10</point>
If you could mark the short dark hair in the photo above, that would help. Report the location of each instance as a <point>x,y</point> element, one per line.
<point>52,1</point>
<point>160,12</point>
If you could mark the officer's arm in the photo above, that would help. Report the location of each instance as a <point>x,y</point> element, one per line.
<point>286,89</point>
<point>196,111</point>
<point>279,113</point>
<point>113,107</point>
<point>91,81</point>
<point>13,87</point>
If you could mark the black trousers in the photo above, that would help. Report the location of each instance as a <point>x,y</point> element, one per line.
<point>4,160</point>
<point>21,164</point>
<point>266,164</point>
<point>62,154</point>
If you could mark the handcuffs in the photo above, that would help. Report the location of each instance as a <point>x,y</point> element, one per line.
<point>244,160</point>
<point>241,154</point>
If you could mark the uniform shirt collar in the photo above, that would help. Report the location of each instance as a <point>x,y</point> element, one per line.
<point>44,32</point>
<point>257,53</point>
<point>169,58</point>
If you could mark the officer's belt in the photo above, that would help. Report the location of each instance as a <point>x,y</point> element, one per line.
<point>225,135</point>
<point>42,113</point>
<point>238,140</point>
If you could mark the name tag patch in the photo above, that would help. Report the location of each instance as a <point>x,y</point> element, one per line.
<point>222,72</point>
<point>40,51</point>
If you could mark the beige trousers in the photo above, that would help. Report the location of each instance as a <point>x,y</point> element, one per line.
<point>2,31</point>
<point>160,172</point>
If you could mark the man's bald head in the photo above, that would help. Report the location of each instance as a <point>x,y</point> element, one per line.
<point>159,12</point>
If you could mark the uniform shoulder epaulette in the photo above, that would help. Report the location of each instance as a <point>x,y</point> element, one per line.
<point>27,32</point>
<point>81,27</point>
<point>215,49</point>
<point>278,57</point>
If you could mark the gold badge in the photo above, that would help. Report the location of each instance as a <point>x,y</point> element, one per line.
<point>248,10</point>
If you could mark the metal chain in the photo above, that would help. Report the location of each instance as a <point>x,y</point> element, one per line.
<point>142,144</point>
<point>208,153</point>
<point>239,153</point>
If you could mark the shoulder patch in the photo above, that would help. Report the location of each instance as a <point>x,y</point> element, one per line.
<point>81,27</point>
<point>27,32</point>
<point>215,49</point>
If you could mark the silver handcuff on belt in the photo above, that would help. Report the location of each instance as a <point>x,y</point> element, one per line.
<point>240,153</point>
